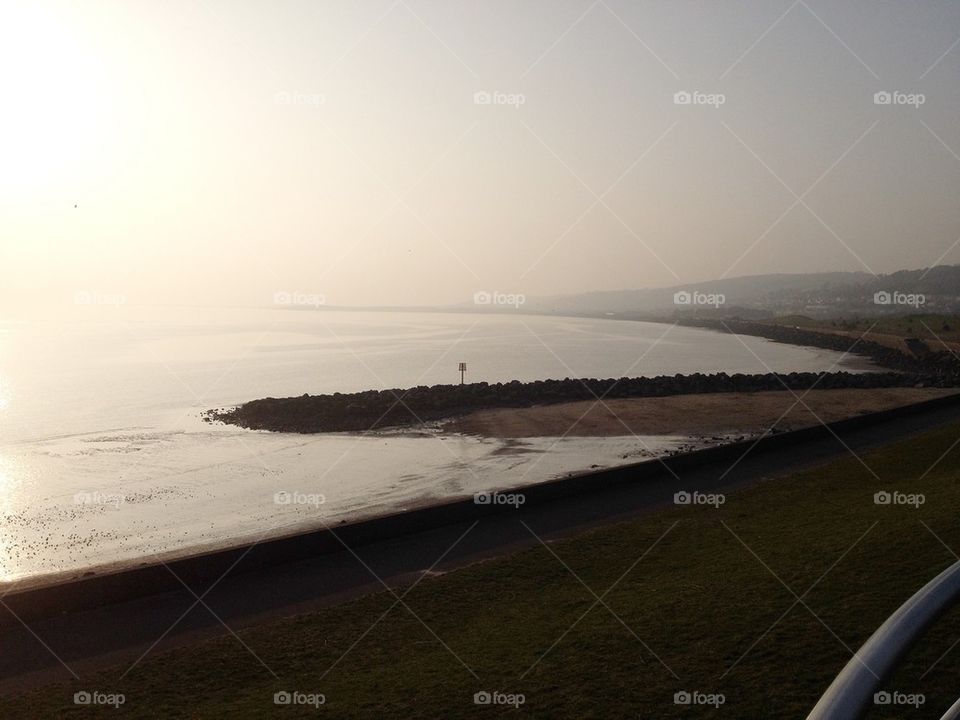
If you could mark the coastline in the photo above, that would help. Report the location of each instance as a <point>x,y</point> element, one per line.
<point>378,409</point>
<point>940,367</point>
<point>398,407</point>
<point>706,416</point>
<point>528,396</point>
<point>687,423</point>
<point>116,584</point>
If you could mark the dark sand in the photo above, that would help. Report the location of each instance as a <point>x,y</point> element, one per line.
<point>120,633</point>
<point>700,415</point>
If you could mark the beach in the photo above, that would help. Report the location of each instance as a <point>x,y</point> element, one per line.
<point>309,571</point>
<point>105,461</point>
<point>707,414</point>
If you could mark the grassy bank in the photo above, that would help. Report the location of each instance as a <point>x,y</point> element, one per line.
<point>928,326</point>
<point>702,599</point>
<point>940,333</point>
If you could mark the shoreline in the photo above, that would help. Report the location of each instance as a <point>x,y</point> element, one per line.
<point>936,366</point>
<point>411,491</point>
<point>876,350</point>
<point>720,387</point>
<point>378,409</point>
<point>697,417</point>
<point>755,417</point>
<point>114,584</point>
<point>381,409</point>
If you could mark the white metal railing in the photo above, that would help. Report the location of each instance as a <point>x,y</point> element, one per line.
<point>850,695</point>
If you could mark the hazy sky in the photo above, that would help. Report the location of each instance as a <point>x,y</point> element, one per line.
<point>219,151</point>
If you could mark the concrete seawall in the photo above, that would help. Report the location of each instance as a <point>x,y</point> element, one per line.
<point>200,571</point>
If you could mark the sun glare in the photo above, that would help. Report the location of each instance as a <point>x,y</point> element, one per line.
<point>7,569</point>
<point>55,100</point>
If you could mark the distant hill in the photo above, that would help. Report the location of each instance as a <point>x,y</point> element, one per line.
<point>830,293</point>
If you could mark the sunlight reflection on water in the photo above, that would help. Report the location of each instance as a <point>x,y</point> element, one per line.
<point>9,566</point>
<point>105,406</point>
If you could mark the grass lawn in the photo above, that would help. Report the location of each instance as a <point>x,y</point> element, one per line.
<point>927,326</point>
<point>702,600</point>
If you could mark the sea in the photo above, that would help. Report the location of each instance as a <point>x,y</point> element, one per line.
<point>105,460</point>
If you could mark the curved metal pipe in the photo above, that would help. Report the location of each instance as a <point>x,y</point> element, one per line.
<point>851,693</point>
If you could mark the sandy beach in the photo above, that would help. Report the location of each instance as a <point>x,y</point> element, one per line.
<point>691,415</point>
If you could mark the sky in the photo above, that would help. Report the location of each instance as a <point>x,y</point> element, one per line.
<point>406,152</point>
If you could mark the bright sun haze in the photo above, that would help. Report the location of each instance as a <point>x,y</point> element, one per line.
<point>428,359</point>
<point>186,152</point>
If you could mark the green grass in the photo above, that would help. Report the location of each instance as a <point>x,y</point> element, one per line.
<point>699,600</point>
<point>927,326</point>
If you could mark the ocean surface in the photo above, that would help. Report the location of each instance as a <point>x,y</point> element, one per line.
<point>104,458</point>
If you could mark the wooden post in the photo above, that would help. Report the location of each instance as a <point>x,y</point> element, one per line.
<point>463,370</point>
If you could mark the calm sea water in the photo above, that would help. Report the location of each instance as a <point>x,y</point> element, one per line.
<point>103,457</point>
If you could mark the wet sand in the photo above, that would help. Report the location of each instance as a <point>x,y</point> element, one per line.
<point>273,583</point>
<point>692,415</point>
